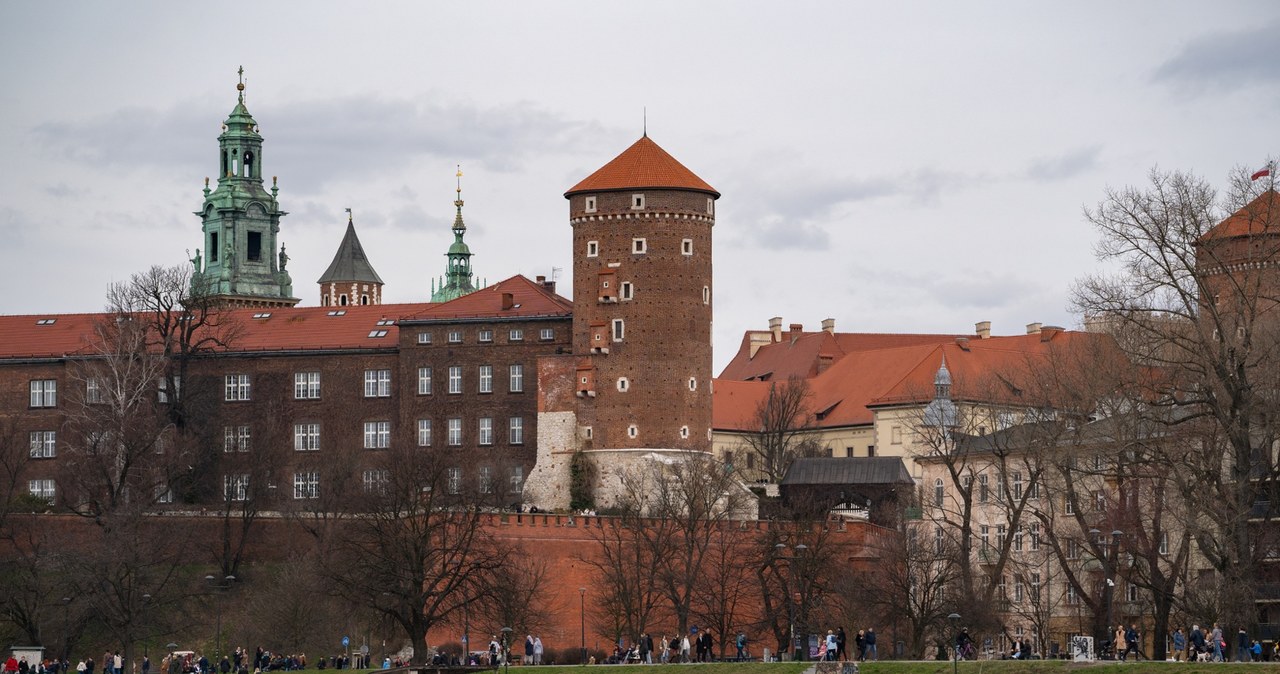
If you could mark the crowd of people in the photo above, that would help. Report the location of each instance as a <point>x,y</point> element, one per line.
<point>1210,645</point>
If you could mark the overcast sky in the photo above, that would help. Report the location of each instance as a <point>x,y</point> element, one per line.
<point>900,167</point>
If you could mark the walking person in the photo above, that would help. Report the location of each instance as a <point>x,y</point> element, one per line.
<point>537,650</point>
<point>1131,643</point>
<point>1242,646</point>
<point>684,648</point>
<point>860,642</point>
<point>741,643</point>
<point>841,653</point>
<point>1216,635</point>
<point>833,646</point>
<point>1179,645</point>
<point>871,644</point>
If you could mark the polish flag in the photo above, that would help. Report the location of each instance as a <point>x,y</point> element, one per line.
<point>1263,172</point>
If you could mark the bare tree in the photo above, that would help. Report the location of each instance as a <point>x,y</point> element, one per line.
<point>15,453</point>
<point>786,428</point>
<point>1197,300</point>
<point>723,595</point>
<point>520,596</point>
<point>418,553</point>
<point>914,583</point>
<point>797,564</point>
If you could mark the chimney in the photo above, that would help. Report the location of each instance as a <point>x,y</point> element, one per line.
<point>757,339</point>
<point>983,328</point>
<point>549,286</point>
<point>795,330</point>
<point>775,326</point>
<point>1033,328</point>
<point>963,343</point>
<point>1048,332</point>
<point>829,326</point>
<point>508,301</point>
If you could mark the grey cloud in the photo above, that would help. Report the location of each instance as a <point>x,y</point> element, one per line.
<point>1224,61</point>
<point>310,143</point>
<point>63,191</point>
<point>1065,165</point>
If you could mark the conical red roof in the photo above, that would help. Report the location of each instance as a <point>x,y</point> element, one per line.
<point>643,165</point>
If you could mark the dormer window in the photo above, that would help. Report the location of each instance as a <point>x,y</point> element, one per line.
<point>637,202</point>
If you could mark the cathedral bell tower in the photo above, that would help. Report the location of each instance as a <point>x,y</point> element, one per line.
<point>458,279</point>
<point>242,265</point>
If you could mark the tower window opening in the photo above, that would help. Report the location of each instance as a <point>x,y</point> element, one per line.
<point>213,247</point>
<point>633,431</point>
<point>593,248</point>
<point>591,205</point>
<point>235,167</point>
<point>342,299</point>
<point>686,247</point>
<point>255,246</point>
<point>364,299</point>
<point>639,246</point>
<point>224,162</point>
<point>684,432</point>
<point>637,202</point>
<point>248,164</point>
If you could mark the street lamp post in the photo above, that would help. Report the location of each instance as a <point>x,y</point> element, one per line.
<point>954,619</point>
<point>221,586</point>
<point>796,652</point>
<point>506,649</point>
<point>582,616</point>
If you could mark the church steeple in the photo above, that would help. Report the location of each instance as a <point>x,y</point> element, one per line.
<point>457,279</point>
<point>244,263</point>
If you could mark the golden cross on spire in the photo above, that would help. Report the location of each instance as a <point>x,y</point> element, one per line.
<point>458,202</point>
<point>240,84</point>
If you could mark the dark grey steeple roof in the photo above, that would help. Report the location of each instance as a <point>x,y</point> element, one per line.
<point>350,264</point>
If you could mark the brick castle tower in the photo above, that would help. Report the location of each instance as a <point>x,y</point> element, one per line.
<point>637,386</point>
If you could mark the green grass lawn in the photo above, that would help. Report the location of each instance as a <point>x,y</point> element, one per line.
<point>931,667</point>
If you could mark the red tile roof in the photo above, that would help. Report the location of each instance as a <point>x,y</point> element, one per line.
<point>278,329</point>
<point>800,357</point>
<point>1262,215</point>
<point>643,165</point>
<point>869,375</point>
<point>529,300</point>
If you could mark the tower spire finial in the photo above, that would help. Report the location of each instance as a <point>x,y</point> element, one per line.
<point>240,84</point>
<point>348,216</point>
<point>645,120</point>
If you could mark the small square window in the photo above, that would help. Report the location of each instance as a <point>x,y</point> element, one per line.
<point>627,291</point>
<point>424,338</point>
<point>485,336</point>
<point>593,248</point>
<point>455,336</point>
<point>711,206</point>
<point>684,432</point>
<point>686,247</point>
<point>546,334</point>
<point>633,431</point>
<point>706,294</point>
<point>516,335</point>
<point>639,246</point>
<point>637,202</point>
<point>590,204</point>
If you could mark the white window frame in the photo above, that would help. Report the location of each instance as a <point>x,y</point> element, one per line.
<point>306,485</point>
<point>162,388</point>
<point>484,336</point>
<point>377,383</point>
<point>424,432</point>
<point>589,204</point>
<point>624,384</point>
<point>455,336</point>
<point>547,334</point>
<point>93,391</point>
<point>686,246</point>
<point>377,434</point>
<point>306,385</point>
<point>486,379</point>
<point>484,479</point>
<point>516,335</point>
<point>484,431</point>
<point>235,487</point>
<point>515,430</point>
<point>454,480</point>
<point>423,338</point>
<point>44,444</point>
<point>626,291</point>
<point>639,246</point>
<point>455,432</point>
<point>424,381</point>
<point>238,438</point>
<point>633,431</point>
<point>593,249</point>
<point>44,392</point>
<point>238,388</point>
<point>618,329</point>
<point>515,480</point>
<point>515,378</point>
<point>306,437</point>
<point>455,379</point>
<point>637,202</point>
<point>45,489</point>
<point>375,480</point>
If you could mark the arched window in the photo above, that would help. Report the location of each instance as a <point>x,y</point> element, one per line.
<point>938,492</point>
<point>342,299</point>
<point>364,299</point>
<point>248,164</point>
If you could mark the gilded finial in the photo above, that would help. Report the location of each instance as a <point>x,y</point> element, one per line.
<point>458,201</point>
<point>349,216</point>
<point>240,84</point>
